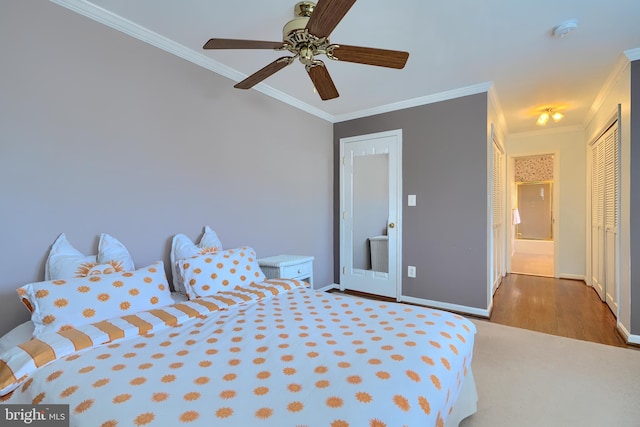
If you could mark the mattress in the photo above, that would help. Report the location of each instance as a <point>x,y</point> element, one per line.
<point>278,354</point>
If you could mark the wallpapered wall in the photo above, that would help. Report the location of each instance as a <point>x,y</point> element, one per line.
<point>534,168</point>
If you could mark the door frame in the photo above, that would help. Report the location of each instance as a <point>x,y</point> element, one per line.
<point>397,251</point>
<point>511,184</point>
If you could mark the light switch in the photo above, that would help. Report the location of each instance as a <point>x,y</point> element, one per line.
<point>411,200</point>
<point>411,271</point>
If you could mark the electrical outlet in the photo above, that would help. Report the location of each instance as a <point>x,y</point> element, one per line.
<point>411,271</point>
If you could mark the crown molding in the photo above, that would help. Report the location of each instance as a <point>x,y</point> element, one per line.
<point>632,54</point>
<point>103,16</point>
<point>495,101</point>
<point>110,19</point>
<point>621,65</point>
<point>548,131</point>
<point>415,102</point>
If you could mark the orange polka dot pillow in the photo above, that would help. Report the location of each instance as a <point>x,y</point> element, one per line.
<point>182,247</point>
<point>208,274</point>
<point>62,303</point>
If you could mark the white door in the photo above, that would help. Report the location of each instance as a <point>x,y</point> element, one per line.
<point>370,206</point>
<point>597,219</point>
<point>605,217</point>
<point>498,223</point>
<point>611,219</point>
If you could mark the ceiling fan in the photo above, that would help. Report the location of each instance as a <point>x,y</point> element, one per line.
<point>306,36</point>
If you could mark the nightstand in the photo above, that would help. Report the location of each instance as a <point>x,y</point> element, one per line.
<point>298,267</point>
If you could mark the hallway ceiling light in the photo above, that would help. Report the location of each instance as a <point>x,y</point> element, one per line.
<point>547,114</point>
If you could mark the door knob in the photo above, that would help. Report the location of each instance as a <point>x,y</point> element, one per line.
<point>391,225</point>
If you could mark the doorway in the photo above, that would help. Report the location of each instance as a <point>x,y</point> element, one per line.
<point>370,205</point>
<point>533,245</point>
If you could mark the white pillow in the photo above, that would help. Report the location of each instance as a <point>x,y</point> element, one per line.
<point>62,303</point>
<point>21,333</point>
<point>182,247</point>
<point>110,249</point>
<point>65,261</point>
<point>208,274</point>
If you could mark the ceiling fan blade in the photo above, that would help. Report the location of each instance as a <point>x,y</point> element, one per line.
<point>326,16</point>
<point>322,81</point>
<point>370,56</point>
<point>241,44</point>
<point>265,72</point>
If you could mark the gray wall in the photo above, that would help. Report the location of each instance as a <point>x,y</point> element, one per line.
<point>635,198</point>
<point>445,165</point>
<point>100,132</point>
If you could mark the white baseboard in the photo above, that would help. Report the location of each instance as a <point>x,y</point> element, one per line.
<point>446,306</point>
<point>490,309</point>
<point>572,277</point>
<point>629,338</point>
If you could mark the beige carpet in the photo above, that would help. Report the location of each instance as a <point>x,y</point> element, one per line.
<point>527,378</point>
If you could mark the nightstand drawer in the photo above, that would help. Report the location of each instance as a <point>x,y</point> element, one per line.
<point>297,271</point>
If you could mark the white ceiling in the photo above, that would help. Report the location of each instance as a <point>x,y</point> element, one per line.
<point>456,47</point>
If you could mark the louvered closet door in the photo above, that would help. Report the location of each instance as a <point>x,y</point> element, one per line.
<point>597,216</point>
<point>605,186</point>
<point>611,187</point>
<point>498,214</point>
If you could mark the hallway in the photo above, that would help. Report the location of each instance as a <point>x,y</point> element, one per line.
<point>561,307</point>
<point>536,264</point>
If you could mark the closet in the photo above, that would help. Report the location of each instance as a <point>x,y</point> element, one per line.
<point>605,189</point>
<point>498,178</point>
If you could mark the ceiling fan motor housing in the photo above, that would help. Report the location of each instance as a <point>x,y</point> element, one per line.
<point>293,29</point>
<point>297,38</point>
<point>302,10</point>
<point>301,43</point>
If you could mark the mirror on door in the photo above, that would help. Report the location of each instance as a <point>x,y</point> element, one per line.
<point>535,210</point>
<point>370,212</point>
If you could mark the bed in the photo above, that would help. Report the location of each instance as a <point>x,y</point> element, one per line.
<point>268,352</point>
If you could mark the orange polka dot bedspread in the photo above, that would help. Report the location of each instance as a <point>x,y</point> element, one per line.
<point>272,354</point>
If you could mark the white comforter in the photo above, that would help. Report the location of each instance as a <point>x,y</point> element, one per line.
<point>297,358</point>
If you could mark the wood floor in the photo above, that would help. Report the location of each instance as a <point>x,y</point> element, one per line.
<point>536,264</point>
<point>567,308</point>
